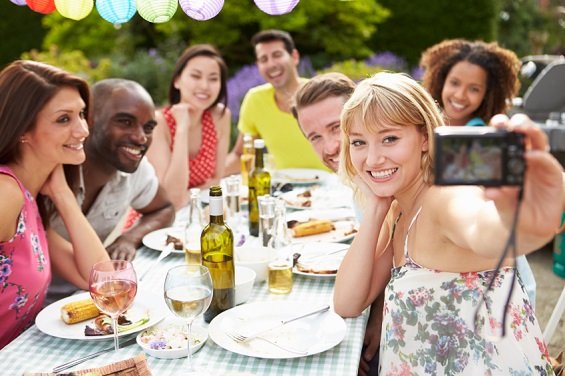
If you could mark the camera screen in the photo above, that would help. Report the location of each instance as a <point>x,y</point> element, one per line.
<point>471,159</point>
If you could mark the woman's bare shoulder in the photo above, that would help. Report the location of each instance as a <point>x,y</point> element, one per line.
<point>11,207</point>
<point>221,114</point>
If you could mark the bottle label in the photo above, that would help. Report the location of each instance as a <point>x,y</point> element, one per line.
<point>216,206</point>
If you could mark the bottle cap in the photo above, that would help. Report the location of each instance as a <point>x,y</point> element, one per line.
<point>215,191</point>
<point>259,143</point>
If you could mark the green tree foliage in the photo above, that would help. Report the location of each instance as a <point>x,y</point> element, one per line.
<point>72,61</point>
<point>94,35</point>
<point>326,30</point>
<point>20,30</point>
<point>415,25</point>
<point>519,22</point>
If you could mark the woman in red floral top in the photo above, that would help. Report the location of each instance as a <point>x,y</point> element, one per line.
<point>191,140</point>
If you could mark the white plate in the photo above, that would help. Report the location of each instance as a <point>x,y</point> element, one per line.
<point>314,334</point>
<point>157,239</point>
<point>343,219</point>
<point>49,319</point>
<point>310,250</point>
<point>321,198</point>
<point>301,175</point>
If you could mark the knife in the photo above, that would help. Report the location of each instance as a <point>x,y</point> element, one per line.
<point>73,363</point>
<point>321,309</point>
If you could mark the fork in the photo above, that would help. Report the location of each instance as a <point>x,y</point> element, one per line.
<point>240,338</point>
<point>167,251</point>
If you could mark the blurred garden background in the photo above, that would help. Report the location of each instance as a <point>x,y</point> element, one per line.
<point>356,37</point>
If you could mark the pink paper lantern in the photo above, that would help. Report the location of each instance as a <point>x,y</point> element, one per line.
<point>276,7</point>
<point>74,9</point>
<point>19,2</point>
<point>201,10</point>
<point>41,6</point>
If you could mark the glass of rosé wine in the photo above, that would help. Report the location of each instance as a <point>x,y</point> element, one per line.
<point>113,286</point>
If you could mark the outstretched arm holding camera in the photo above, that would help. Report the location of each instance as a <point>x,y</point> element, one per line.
<point>447,296</point>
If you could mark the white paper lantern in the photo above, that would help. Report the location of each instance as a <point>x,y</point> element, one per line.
<point>276,7</point>
<point>201,10</point>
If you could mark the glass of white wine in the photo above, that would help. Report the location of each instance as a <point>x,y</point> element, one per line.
<point>113,286</point>
<point>188,293</point>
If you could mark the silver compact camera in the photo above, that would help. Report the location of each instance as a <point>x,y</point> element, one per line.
<point>479,156</point>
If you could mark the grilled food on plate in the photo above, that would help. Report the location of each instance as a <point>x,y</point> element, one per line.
<point>83,310</point>
<point>313,227</point>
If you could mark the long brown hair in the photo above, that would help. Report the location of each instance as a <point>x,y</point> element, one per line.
<point>25,88</point>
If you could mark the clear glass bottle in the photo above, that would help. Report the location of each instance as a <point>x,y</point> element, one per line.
<point>280,270</point>
<point>259,185</point>
<point>193,229</point>
<point>247,158</point>
<point>216,243</point>
<point>279,239</point>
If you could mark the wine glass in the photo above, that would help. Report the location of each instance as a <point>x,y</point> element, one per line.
<point>113,286</point>
<point>188,293</point>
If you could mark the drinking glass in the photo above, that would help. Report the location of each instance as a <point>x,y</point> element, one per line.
<point>113,286</point>
<point>188,293</point>
<point>232,202</point>
<point>266,218</point>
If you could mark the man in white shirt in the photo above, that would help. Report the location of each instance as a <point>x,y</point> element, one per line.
<point>115,175</point>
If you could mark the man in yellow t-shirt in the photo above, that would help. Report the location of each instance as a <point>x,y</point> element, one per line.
<point>265,111</point>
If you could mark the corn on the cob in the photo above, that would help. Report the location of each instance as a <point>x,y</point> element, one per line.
<point>82,310</point>
<point>313,227</point>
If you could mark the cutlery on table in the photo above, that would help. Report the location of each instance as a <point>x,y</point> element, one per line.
<point>322,255</point>
<point>240,338</point>
<point>167,251</point>
<point>73,363</point>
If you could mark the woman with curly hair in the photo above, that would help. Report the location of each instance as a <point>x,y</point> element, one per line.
<point>472,81</point>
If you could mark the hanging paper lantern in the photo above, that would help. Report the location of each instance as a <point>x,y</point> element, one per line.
<point>157,11</point>
<point>202,10</point>
<point>41,6</point>
<point>19,2</point>
<point>276,7</point>
<point>74,9</point>
<point>116,11</point>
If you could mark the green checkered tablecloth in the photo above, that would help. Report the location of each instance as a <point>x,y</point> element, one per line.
<point>35,351</point>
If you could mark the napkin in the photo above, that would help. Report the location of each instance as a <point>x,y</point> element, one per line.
<point>136,366</point>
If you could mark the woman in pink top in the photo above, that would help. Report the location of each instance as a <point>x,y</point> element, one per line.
<point>191,140</point>
<point>43,126</point>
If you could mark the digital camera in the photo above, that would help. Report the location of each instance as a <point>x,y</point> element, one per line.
<point>479,156</point>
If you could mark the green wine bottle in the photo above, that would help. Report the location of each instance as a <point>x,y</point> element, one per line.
<point>259,185</point>
<point>216,243</point>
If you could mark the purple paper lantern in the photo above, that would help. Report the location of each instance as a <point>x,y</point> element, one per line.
<point>201,10</point>
<point>276,7</point>
<point>19,2</point>
<point>116,11</point>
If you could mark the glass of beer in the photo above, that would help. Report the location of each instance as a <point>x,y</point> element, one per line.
<point>280,276</point>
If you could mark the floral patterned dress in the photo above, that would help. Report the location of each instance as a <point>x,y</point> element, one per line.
<point>25,271</point>
<point>429,324</point>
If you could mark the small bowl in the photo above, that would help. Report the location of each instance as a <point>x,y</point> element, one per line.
<point>198,336</point>
<point>256,258</point>
<point>244,279</point>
